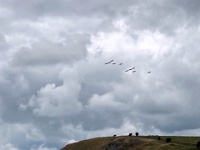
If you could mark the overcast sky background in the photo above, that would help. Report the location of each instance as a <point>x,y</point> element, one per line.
<point>56,89</point>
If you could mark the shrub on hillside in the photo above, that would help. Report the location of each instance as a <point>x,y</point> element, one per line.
<point>136,133</point>
<point>198,144</point>
<point>168,140</point>
<point>130,134</point>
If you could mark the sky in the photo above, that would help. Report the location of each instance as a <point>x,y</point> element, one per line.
<point>55,87</point>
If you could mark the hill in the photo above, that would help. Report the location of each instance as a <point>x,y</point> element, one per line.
<point>136,143</point>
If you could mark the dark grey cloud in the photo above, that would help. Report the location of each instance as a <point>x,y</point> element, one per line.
<point>189,6</point>
<point>33,9</point>
<point>48,53</point>
<point>166,16</point>
<point>4,44</point>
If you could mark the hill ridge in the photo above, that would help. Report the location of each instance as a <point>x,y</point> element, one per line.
<point>135,143</point>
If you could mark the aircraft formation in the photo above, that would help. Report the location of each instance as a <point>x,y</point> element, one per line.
<point>127,70</point>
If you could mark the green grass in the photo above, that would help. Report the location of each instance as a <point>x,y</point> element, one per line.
<point>183,139</point>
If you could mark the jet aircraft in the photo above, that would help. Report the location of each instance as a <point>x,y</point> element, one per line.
<point>109,62</point>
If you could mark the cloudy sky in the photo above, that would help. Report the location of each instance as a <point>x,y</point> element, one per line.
<point>56,89</point>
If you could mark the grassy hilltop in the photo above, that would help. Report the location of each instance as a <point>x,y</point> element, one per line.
<point>136,143</point>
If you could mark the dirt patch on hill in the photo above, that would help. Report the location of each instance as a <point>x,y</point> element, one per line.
<point>125,143</point>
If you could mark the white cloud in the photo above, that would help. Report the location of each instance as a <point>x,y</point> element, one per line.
<point>8,146</point>
<point>57,101</point>
<point>121,25</point>
<point>10,134</point>
<point>5,12</point>
<point>105,101</point>
<point>156,43</point>
<point>42,147</point>
<point>71,141</point>
<point>121,44</point>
